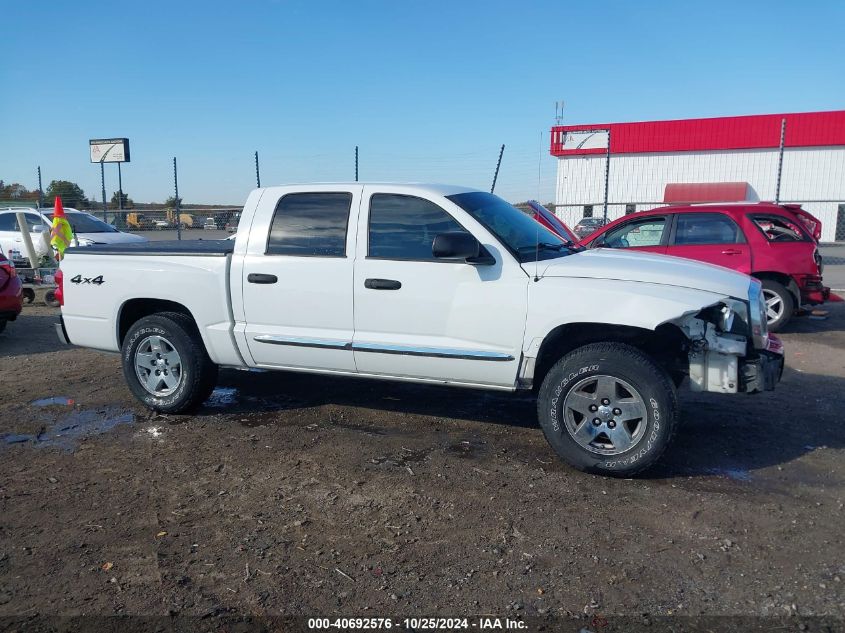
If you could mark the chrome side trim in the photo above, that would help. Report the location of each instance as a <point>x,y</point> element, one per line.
<point>435,352</point>
<point>376,348</point>
<point>298,341</point>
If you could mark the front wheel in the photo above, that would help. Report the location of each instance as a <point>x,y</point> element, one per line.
<point>165,363</point>
<point>608,408</point>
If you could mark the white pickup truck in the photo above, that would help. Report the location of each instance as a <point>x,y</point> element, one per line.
<point>431,284</point>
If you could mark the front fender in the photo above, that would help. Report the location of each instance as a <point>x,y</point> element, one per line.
<point>560,301</point>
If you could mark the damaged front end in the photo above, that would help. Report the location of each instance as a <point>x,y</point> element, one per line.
<point>730,349</point>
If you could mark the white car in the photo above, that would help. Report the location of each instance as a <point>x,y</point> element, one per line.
<point>89,229</point>
<point>432,284</point>
<point>11,238</point>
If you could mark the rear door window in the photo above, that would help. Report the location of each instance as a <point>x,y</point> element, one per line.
<point>777,228</point>
<point>706,228</point>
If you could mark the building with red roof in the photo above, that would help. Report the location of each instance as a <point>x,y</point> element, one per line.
<point>704,160</point>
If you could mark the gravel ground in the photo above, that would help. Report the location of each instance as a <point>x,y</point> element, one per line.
<point>293,494</point>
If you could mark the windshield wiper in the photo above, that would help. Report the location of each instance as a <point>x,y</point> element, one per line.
<point>544,246</point>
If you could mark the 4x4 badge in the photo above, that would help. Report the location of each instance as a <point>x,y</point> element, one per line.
<point>79,279</point>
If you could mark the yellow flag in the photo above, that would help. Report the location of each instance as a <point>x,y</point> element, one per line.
<point>61,234</point>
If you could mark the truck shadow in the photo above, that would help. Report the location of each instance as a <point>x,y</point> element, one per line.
<point>728,435</point>
<point>733,435</point>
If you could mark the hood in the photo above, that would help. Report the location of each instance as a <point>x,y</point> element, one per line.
<point>112,238</point>
<point>626,265</point>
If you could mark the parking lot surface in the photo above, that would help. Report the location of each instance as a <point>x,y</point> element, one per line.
<point>294,494</point>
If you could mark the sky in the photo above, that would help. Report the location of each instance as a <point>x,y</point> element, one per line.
<point>428,90</point>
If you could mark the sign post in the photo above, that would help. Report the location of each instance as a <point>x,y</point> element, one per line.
<point>110,150</point>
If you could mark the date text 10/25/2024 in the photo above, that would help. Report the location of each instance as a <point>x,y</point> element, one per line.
<point>480,623</point>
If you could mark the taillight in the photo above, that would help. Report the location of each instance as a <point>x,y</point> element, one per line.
<point>813,227</point>
<point>817,257</point>
<point>810,222</point>
<point>60,287</point>
<point>8,267</point>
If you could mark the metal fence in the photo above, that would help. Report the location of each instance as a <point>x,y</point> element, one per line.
<point>187,219</point>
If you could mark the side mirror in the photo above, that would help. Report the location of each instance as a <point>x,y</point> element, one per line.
<point>458,245</point>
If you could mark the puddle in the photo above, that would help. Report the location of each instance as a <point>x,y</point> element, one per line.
<point>61,401</point>
<point>249,410</point>
<point>222,397</point>
<point>737,474</point>
<point>15,438</point>
<point>66,433</point>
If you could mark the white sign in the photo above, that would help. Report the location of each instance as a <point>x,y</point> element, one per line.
<point>109,150</point>
<point>585,139</point>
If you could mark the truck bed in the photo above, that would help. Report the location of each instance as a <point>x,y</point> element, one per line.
<point>194,248</point>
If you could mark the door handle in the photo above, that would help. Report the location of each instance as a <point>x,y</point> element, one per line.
<point>261,278</point>
<point>731,251</point>
<point>382,284</point>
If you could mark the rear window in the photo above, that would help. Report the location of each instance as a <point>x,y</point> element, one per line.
<point>310,225</point>
<point>777,228</point>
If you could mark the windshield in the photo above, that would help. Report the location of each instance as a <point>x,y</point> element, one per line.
<point>523,236</point>
<point>84,223</point>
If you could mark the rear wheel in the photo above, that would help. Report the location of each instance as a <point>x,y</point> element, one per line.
<point>608,408</point>
<point>165,363</point>
<point>780,304</point>
<point>50,299</point>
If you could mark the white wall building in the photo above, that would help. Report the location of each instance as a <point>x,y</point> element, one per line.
<point>645,157</point>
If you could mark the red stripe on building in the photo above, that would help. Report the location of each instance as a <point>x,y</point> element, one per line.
<point>804,129</point>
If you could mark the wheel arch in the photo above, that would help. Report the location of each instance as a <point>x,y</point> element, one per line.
<point>667,344</point>
<point>138,308</point>
<point>783,279</point>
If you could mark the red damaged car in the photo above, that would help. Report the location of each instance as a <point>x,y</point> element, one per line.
<point>778,244</point>
<point>11,297</point>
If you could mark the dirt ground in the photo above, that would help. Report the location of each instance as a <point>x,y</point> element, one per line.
<point>292,494</point>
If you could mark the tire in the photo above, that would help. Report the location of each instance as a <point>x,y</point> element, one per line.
<point>171,343</point>
<point>780,304</point>
<point>50,299</point>
<point>629,438</point>
<point>2,325</point>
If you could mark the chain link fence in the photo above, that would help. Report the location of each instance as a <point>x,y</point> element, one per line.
<point>188,219</point>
